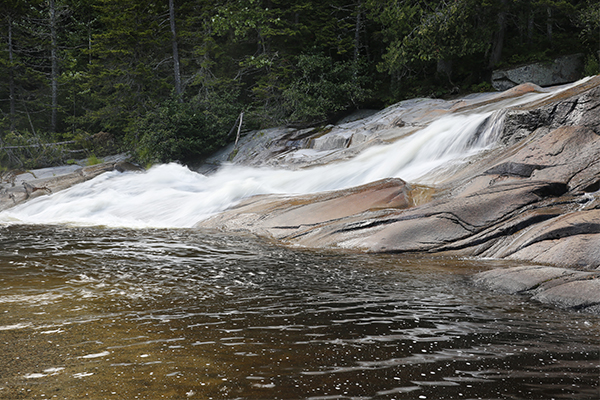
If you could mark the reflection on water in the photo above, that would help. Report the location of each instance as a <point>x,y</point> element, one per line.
<point>177,314</point>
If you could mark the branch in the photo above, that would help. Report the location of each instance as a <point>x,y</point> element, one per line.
<point>38,145</point>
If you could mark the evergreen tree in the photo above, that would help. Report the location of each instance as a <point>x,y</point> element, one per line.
<point>168,79</point>
<point>130,70</point>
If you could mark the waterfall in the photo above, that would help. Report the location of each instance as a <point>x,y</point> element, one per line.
<point>171,195</point>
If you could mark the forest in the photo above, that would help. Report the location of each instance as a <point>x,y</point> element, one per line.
<point>170,80</point>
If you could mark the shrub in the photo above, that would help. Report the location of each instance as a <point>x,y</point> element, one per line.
<point>183,131</point>
<point>591,66</point>
<point>93,160</point>
<point>323,86</point>
<point>27,150</point>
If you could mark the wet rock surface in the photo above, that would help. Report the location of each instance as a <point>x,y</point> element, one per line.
<point>320,145</point>
<point>303,219</point>
<point>567,288</point>
<point>534,199</point>
<point>19,186</point>
<point>537,189</point>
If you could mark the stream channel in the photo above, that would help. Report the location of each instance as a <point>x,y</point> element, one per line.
<point>113,313</point>
<point>108,292</point>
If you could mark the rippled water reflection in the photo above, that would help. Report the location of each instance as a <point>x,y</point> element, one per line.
<point>149,314</point>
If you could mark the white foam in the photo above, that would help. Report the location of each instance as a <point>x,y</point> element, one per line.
<point>170,195</point>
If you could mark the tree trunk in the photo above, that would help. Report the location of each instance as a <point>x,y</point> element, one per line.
<point>530,23</point>
<point>498,37</point>
<point>54,60</point>
<point>89,44</point>
<point>11,77</point>
<point>357,28</point>
<point>549,25</point>
<point>178,90</point>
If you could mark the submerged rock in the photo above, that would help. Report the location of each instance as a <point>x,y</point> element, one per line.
<point>567,288</point>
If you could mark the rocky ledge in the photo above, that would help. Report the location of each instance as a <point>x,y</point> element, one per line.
<point>562,287</point>
<point>19,186</point>
<point>533,199</point>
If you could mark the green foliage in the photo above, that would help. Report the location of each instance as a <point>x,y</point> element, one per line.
<point>323,86</point>
<point>588,20</point>
<point>183,131</point>
<point>26,150</point>
<point>483,87</point>
<point>530,57</point>
<point>591,66</point>
<point>93,160</point>
<point>281,61</point>
<point>125,74</point>
<point>430,37</point>
<point>428,32</point>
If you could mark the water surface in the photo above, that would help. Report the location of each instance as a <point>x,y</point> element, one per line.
<point>98,313</point>
<point>105,293</point>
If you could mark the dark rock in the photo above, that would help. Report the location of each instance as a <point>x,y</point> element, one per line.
<point>511,168</point>
<point>564,69</point>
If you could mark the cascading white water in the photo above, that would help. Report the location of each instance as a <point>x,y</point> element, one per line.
<point>171,195</point>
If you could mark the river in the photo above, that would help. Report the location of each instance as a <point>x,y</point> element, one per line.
<point>111,313</point>
<point>108,292</point>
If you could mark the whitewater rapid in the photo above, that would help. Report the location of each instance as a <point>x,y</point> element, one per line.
<point>172,196</point>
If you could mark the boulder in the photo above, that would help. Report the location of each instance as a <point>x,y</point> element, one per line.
<point>289,217</point>
<point>564,69</point>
